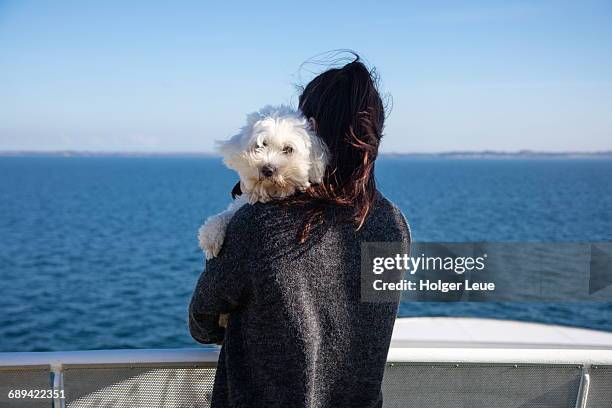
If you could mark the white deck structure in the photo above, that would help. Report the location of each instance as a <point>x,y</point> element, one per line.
<point>491,333</point>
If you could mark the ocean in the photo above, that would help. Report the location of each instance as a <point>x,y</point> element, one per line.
<point>101,252</point>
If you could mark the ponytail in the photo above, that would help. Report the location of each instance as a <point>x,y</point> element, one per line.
<point>349,115</point>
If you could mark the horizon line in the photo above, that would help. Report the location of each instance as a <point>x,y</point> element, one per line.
<point>446,153</point>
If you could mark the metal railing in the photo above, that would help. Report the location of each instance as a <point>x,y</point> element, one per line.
<point>411,360</point>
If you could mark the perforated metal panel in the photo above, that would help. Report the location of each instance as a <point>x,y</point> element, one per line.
<point>600,389</point>
<point>143,385</point>
<point>24,378</point>
<point>480,385</point>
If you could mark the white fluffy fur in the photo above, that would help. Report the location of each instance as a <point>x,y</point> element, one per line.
<point>276,137</point>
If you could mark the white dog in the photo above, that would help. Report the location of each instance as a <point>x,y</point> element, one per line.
<point>275,154</point>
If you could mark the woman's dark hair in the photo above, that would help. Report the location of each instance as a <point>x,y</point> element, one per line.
<point>349,117</point>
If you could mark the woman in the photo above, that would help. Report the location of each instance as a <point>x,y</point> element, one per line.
<point>289,272</point>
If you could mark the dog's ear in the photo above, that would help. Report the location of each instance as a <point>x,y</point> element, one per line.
<point>318,159</point>
<point>230,150</point>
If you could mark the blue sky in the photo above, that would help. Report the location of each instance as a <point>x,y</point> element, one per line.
<point>175,76</point>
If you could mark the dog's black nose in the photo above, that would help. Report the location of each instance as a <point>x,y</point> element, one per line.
<point>267,170</point>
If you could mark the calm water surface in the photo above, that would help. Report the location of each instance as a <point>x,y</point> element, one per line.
<point>101,252</point>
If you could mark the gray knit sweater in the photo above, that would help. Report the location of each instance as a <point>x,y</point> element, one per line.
<point>298,334</point>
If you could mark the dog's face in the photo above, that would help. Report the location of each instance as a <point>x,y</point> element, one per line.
<point>275,154</point>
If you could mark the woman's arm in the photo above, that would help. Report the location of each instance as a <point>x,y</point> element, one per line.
<point>225,282</point>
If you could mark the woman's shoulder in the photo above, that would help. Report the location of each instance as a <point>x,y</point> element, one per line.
<point>263,229</point>
<point>257,218</point>
<point>388,218</point>
<point>383,203</point>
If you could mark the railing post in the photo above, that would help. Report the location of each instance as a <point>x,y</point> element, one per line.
<point>583,390</point>
<point>58,385</point>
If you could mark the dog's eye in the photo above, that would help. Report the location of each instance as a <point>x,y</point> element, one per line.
<point>287,149</point>
<point>264,144</point>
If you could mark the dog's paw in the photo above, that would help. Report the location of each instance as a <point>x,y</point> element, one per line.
<point>211,236</point>
<point>211,251</point>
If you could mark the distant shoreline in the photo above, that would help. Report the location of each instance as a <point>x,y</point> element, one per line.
<point>485,154</point>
